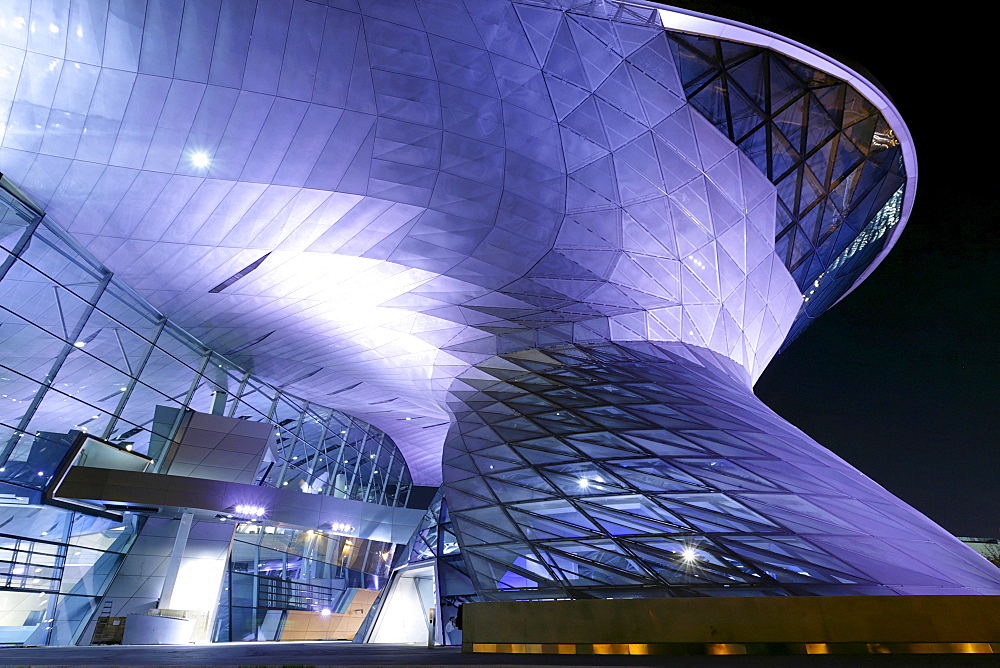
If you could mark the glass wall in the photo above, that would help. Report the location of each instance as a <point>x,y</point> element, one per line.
<point>83,353</point>
<point>274,570</point>
<point>54,564</point>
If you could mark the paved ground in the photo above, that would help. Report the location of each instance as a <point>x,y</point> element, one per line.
<point>348,654</point>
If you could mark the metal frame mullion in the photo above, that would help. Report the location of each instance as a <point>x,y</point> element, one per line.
<point>297,433</point>
<point>371,476</point>
<point>357,462</point>
<point>57,363</point>
<point>199,375</point>
<point>14,254</point>
<point>133,378</point>
<point>239,394</point>
<point>339,461</point>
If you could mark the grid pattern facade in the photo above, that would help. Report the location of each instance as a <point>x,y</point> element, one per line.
<point>831,154</point>
<point>83,353</point>
<point>436,210</point>
<point>646,470</point>
<point>488,164</point>
<point>54,567</point>
<point>29,564</point>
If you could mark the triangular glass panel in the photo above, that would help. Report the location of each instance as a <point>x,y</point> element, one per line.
<point>540,528</point>
<point>563,59</point>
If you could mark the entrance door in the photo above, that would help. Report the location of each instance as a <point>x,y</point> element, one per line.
<point>404,615</point>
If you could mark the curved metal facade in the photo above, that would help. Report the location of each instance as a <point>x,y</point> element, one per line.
<point>542,171</point>
<point>560,239</point>
<point>621,470</point>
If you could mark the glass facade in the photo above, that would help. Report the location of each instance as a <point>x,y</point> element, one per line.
<point>832,155</point>
<point>849,265</point>
<point>54,565</point>
<point>82,353</point>
<point>632,470</point>
<point>566,233</point>
<point>276,570</point>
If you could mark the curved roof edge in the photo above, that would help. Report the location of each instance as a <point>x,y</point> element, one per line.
<point>689,21</point>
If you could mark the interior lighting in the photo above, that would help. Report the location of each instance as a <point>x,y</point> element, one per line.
<point>325,611</point>
<point>584,483</point>
<point>341,527</point>
<point>79,344</point>
<point>250,511</point>
<point>200,160</point>
<point>689,555</point>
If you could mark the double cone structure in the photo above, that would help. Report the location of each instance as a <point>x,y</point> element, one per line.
<point>546,246</point>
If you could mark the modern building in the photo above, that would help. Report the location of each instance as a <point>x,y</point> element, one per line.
<point>272,270</point>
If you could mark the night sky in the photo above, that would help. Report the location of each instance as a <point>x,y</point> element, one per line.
<point>901,378</point>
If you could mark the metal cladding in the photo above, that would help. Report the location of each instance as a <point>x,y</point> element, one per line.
<point>352,199</point>
<point>651,469</point>
<point>390,207</point>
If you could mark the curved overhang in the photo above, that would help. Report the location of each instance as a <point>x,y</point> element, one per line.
<point>697,23</point>
<point>412,335</point>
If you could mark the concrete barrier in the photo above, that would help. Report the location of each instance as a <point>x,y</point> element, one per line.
<point>759,625</point>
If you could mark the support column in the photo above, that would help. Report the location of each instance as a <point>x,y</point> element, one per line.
<point>174,563</point>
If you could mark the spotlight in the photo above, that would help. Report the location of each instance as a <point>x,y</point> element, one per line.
<point>249,511</point>
<point>200,160</point>
<point>341,527</point>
